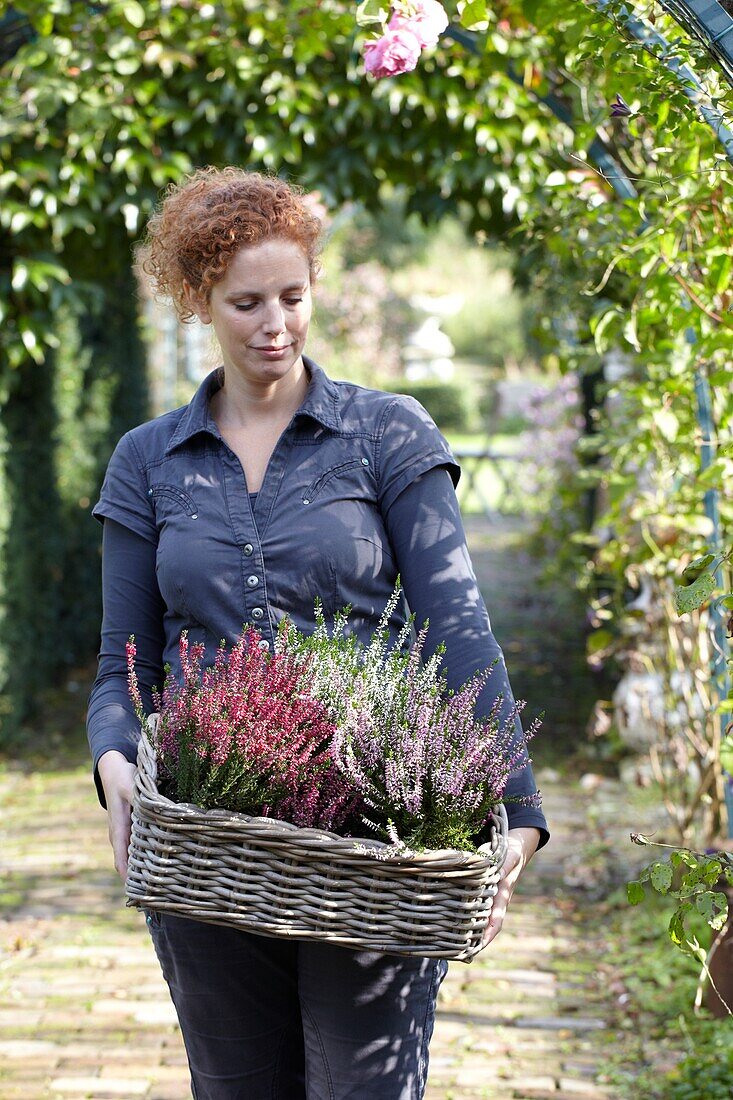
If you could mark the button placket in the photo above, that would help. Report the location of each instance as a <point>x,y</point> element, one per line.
<point>245,527</point>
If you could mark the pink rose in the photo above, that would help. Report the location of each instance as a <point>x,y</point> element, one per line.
<point>427,24</point>
<point>395,52</point>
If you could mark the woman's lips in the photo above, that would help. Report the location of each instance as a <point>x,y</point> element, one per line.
<point>273,353</point>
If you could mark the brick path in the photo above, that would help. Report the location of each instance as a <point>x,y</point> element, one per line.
<point>85,1013</point>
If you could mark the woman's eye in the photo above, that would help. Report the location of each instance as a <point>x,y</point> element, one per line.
<point>293,301</point>
<point>243,307</point>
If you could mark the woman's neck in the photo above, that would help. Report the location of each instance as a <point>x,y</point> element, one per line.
<point>239,404</point>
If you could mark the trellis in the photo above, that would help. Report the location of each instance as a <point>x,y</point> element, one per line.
<point>711,24</point>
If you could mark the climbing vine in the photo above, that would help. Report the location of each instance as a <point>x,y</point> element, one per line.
<point>107,103</point>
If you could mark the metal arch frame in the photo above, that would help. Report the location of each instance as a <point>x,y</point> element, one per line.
<point>711,24</point>
<point>689,82</point>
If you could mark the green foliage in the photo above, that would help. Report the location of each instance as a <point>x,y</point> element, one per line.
<point>372,11</point>
<point>690,878</point>
<point>32,547</point>
<point>99,113</point>
<point>705,1074</point>
<point>697,584</point>
<point>649,994</point>
<point>445,401</point>
<point>695,594</point>
<point>488,324</point>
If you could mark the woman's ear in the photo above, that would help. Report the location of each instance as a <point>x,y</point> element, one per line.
<point>197,303</point>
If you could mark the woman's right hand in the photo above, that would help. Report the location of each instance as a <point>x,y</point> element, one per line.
<point>117,774</point>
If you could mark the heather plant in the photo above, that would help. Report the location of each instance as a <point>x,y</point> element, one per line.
<point>428,771</point>
<point>328,732</point>
<point>247,735</point>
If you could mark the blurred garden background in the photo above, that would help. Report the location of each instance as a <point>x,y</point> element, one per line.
<point>531,233</point>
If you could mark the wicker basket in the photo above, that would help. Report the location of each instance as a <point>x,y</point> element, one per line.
<point>274,879</point>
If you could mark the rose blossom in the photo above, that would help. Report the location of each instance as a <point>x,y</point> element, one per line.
<point>427,23</point>
<point>396,52</point>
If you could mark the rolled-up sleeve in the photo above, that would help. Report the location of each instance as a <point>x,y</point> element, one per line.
<point>409,445</point>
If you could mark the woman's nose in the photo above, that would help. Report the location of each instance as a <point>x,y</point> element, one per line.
<point>275,319</point>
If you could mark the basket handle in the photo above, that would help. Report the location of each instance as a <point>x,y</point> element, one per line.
<point>498,844</point>
<point>147,766</point>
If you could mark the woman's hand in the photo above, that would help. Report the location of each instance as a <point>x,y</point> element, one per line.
<point>117,774</point>
<point>522,846</point>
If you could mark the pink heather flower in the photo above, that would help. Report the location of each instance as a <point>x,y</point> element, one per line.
<point>395,52</point>
<point>427,23</point>
<point>132,682</point>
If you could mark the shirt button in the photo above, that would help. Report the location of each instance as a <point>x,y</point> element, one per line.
<point>248,548</point>
<point>263,643</point>
<point>253,581</point>
<point>257,612</point>
<point>365,461</point>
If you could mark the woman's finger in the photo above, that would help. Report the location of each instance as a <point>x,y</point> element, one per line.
<point>514,864</point>
<point>119,826</point>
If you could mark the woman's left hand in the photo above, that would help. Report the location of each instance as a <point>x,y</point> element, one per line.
<point>522,846</point>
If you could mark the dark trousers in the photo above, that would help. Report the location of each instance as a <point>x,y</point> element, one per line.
<point>270,1019</point>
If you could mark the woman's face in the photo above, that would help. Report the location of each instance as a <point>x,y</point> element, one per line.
<point>261,310</point>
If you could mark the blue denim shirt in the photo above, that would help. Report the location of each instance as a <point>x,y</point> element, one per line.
<point>324,522</point>
<point>316,528</point>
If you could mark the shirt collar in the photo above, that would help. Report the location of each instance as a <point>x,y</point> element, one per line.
<point>320,402</point>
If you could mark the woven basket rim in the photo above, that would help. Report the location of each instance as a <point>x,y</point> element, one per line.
<point>489,854</point>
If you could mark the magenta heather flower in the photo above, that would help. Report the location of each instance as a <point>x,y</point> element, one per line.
<point>396,52</point>
<point>246,734</point>
<point>426,19</point>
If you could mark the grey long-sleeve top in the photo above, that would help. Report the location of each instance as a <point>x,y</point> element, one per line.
<point>155,549</point>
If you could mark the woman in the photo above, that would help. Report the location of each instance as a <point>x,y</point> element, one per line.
<point>273,485</point>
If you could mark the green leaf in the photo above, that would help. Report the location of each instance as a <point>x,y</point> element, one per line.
<point>677,927</point>
<point>661,877</point>
<point>721,904</point>
<point>126,66</point>
<point>371,11</point>
<point>663,112</point>
<point>475,13</point>
<point>44,23</point>
<point>720,270</point>
<point>692,571</point>
<point>634,892</point>
<point>694,595</point>
<point>133,12</point>
<point>599,640</point>
<point>712,906</point>
<point>599,324</point>
<point>20,275</point>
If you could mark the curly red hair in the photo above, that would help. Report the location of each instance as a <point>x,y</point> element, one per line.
<point>204,220</point>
